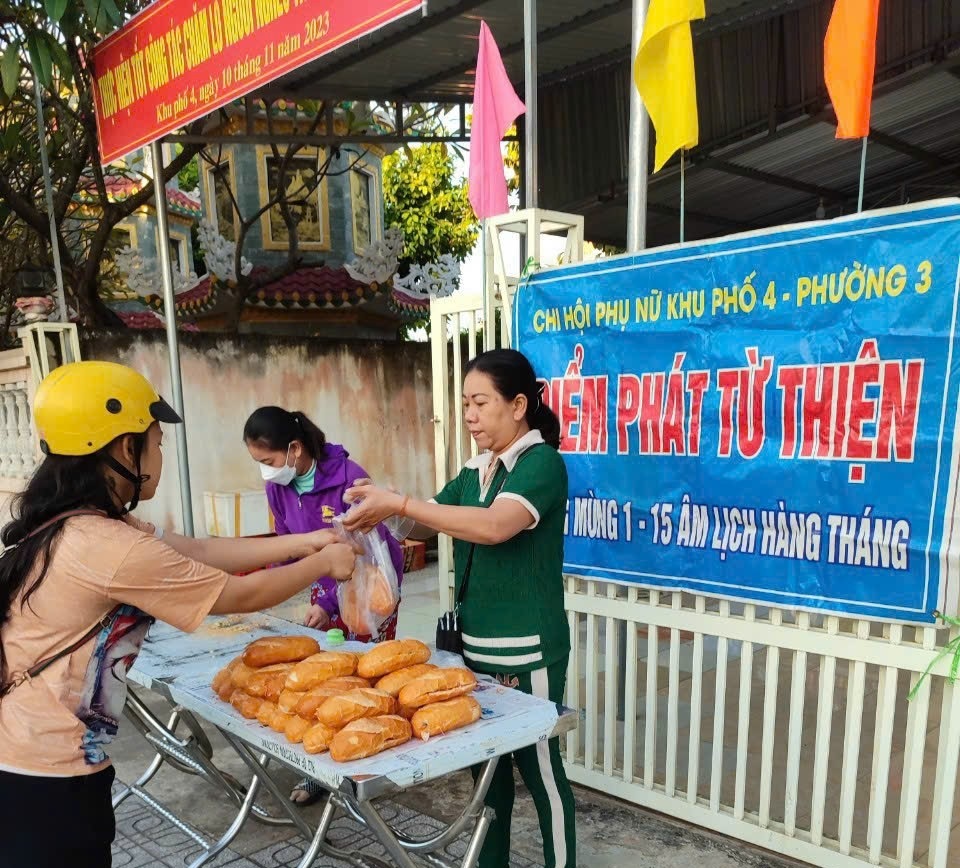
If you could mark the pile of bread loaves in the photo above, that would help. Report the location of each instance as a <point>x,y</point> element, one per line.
<point>354,705</point>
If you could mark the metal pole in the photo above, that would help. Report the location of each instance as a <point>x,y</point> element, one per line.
<point>863,173</point>
<point>530,98</point>
<point>683,193</point>
<point>639,145</point>
<point>48,193</point>
<point>173,348</point>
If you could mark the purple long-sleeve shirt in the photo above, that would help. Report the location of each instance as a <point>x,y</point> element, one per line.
<point>314,510</point>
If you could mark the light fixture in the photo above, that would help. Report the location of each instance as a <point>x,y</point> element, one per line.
<point>821,211</point>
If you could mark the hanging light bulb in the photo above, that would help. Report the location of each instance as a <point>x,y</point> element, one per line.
<point>821,211</point>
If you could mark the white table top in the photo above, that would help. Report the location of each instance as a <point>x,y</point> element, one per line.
<point>181,666</point>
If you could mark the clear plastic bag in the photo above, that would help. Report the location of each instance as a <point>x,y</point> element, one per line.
<point>371,596</point>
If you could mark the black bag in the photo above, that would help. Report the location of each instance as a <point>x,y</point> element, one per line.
<point>449,628</point>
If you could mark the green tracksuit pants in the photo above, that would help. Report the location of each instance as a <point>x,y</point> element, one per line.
<point>542,772</point>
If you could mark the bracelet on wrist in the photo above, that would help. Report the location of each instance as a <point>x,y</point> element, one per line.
<point>403,507</point>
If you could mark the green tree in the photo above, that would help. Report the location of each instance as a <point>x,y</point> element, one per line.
<point>54,39</point>
<point>423,198</point>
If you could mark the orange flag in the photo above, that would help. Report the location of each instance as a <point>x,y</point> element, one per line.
<point>849,59</point>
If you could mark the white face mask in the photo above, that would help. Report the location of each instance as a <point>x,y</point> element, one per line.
<point>279,475</point>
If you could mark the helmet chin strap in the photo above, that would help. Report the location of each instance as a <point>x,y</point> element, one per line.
<point>136,479</point>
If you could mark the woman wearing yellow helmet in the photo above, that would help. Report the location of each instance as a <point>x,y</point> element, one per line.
<point>80,582</point>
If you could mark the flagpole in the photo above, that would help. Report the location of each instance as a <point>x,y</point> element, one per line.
<point>683,193</point>
<point>863,173</point>
<point>639,146</point>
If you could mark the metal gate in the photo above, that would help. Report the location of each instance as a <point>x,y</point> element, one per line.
<point>787,730</point>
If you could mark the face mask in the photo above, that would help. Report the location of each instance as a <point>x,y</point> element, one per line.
<point>279,475</point>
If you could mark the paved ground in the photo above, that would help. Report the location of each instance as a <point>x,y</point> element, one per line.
<point>611,834</point>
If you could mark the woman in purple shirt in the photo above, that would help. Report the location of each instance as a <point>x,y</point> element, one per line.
<point>306,479</point>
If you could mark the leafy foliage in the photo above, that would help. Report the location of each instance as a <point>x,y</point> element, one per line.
<point>423,198</point>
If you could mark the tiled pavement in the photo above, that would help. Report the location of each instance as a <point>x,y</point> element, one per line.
<point>144,838</point>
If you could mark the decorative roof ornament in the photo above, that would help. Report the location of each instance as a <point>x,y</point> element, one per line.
<point>220,255</point>
<point>143,276</point>
<point>378,262</point>
<point>433,280</point>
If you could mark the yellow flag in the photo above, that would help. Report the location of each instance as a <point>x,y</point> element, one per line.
<point>664,75</point>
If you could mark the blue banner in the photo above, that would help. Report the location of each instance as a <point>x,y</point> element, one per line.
<point>769,417</point>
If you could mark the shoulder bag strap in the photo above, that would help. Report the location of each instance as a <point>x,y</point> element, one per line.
<point>104,622</point>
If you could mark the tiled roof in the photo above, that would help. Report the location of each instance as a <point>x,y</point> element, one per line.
<point>314,287</point>
<point>119,188</point>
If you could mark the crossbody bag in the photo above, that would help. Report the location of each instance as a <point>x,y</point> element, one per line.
<point>20,677</point>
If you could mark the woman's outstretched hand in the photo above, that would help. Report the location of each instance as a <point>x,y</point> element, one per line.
<point>371,505</point>
<point>340,560</point>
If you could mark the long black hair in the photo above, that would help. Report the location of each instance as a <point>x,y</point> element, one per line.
<point>60,484</point>
<point>513,375</point>
<point>275,428</point>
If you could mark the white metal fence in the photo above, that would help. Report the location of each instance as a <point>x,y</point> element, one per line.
<point>787,730</point>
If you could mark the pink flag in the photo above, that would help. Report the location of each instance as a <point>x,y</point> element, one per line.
<point>495,107</point>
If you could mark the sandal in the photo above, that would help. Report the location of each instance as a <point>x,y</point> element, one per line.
<point>306,792</point>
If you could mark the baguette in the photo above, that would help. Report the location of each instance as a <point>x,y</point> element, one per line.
<point>317,739</point>
<point>369,736</point>
<point>240,674</point>
<point>446,716</point>
<point>288,701</point>
<point>351,682</point>
<point>396,681</point>
<point>390,656</point>
<point>222,683</point>
<point>338,711</point>
<point>313,699</point>
<point>279,649</point>
<point>383,598</point>
<point>266,711</point>
<point>437,687</point>
<point>279,721</point>
<point>246,704</point>
<point>313,671</point>
<point>296,728</point>
<point>267,683</point>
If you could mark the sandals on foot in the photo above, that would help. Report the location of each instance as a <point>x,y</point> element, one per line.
<point>306,793</point>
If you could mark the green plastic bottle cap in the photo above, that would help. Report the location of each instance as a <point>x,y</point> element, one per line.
<point>335,637</point>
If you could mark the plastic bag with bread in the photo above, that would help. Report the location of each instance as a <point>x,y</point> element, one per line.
<point>372,594</point>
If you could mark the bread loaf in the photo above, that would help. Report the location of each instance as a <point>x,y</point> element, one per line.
<point>354,609</point>
<point>313,671</point>
<point>445,716</point>
<point>288,701</point>
<point>266,711</point>
<point>267,683</point>
<point>338,711</point>
<point>317,739</point>
<point>279,721</point>
<point>222,683</point>
<point>369,736</point>
<point>351,682</point>
<point>279,649</point>
<point>382,598</point>
<point>296,728</point>
<point>240,674</point>
<point>437,686</point>
<point>246,704</point>
<point>313,699</point>
<point>396,681</point>
<point>388,657</point>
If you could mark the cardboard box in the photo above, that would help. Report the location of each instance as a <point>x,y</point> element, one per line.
<point>237,513</point>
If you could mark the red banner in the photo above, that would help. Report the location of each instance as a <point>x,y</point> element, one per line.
<point>179,60</point>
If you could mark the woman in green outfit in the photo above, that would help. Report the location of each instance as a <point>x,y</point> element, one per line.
<point>506,513</point>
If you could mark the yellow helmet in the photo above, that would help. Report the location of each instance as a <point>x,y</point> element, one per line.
<point>81,407</point>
